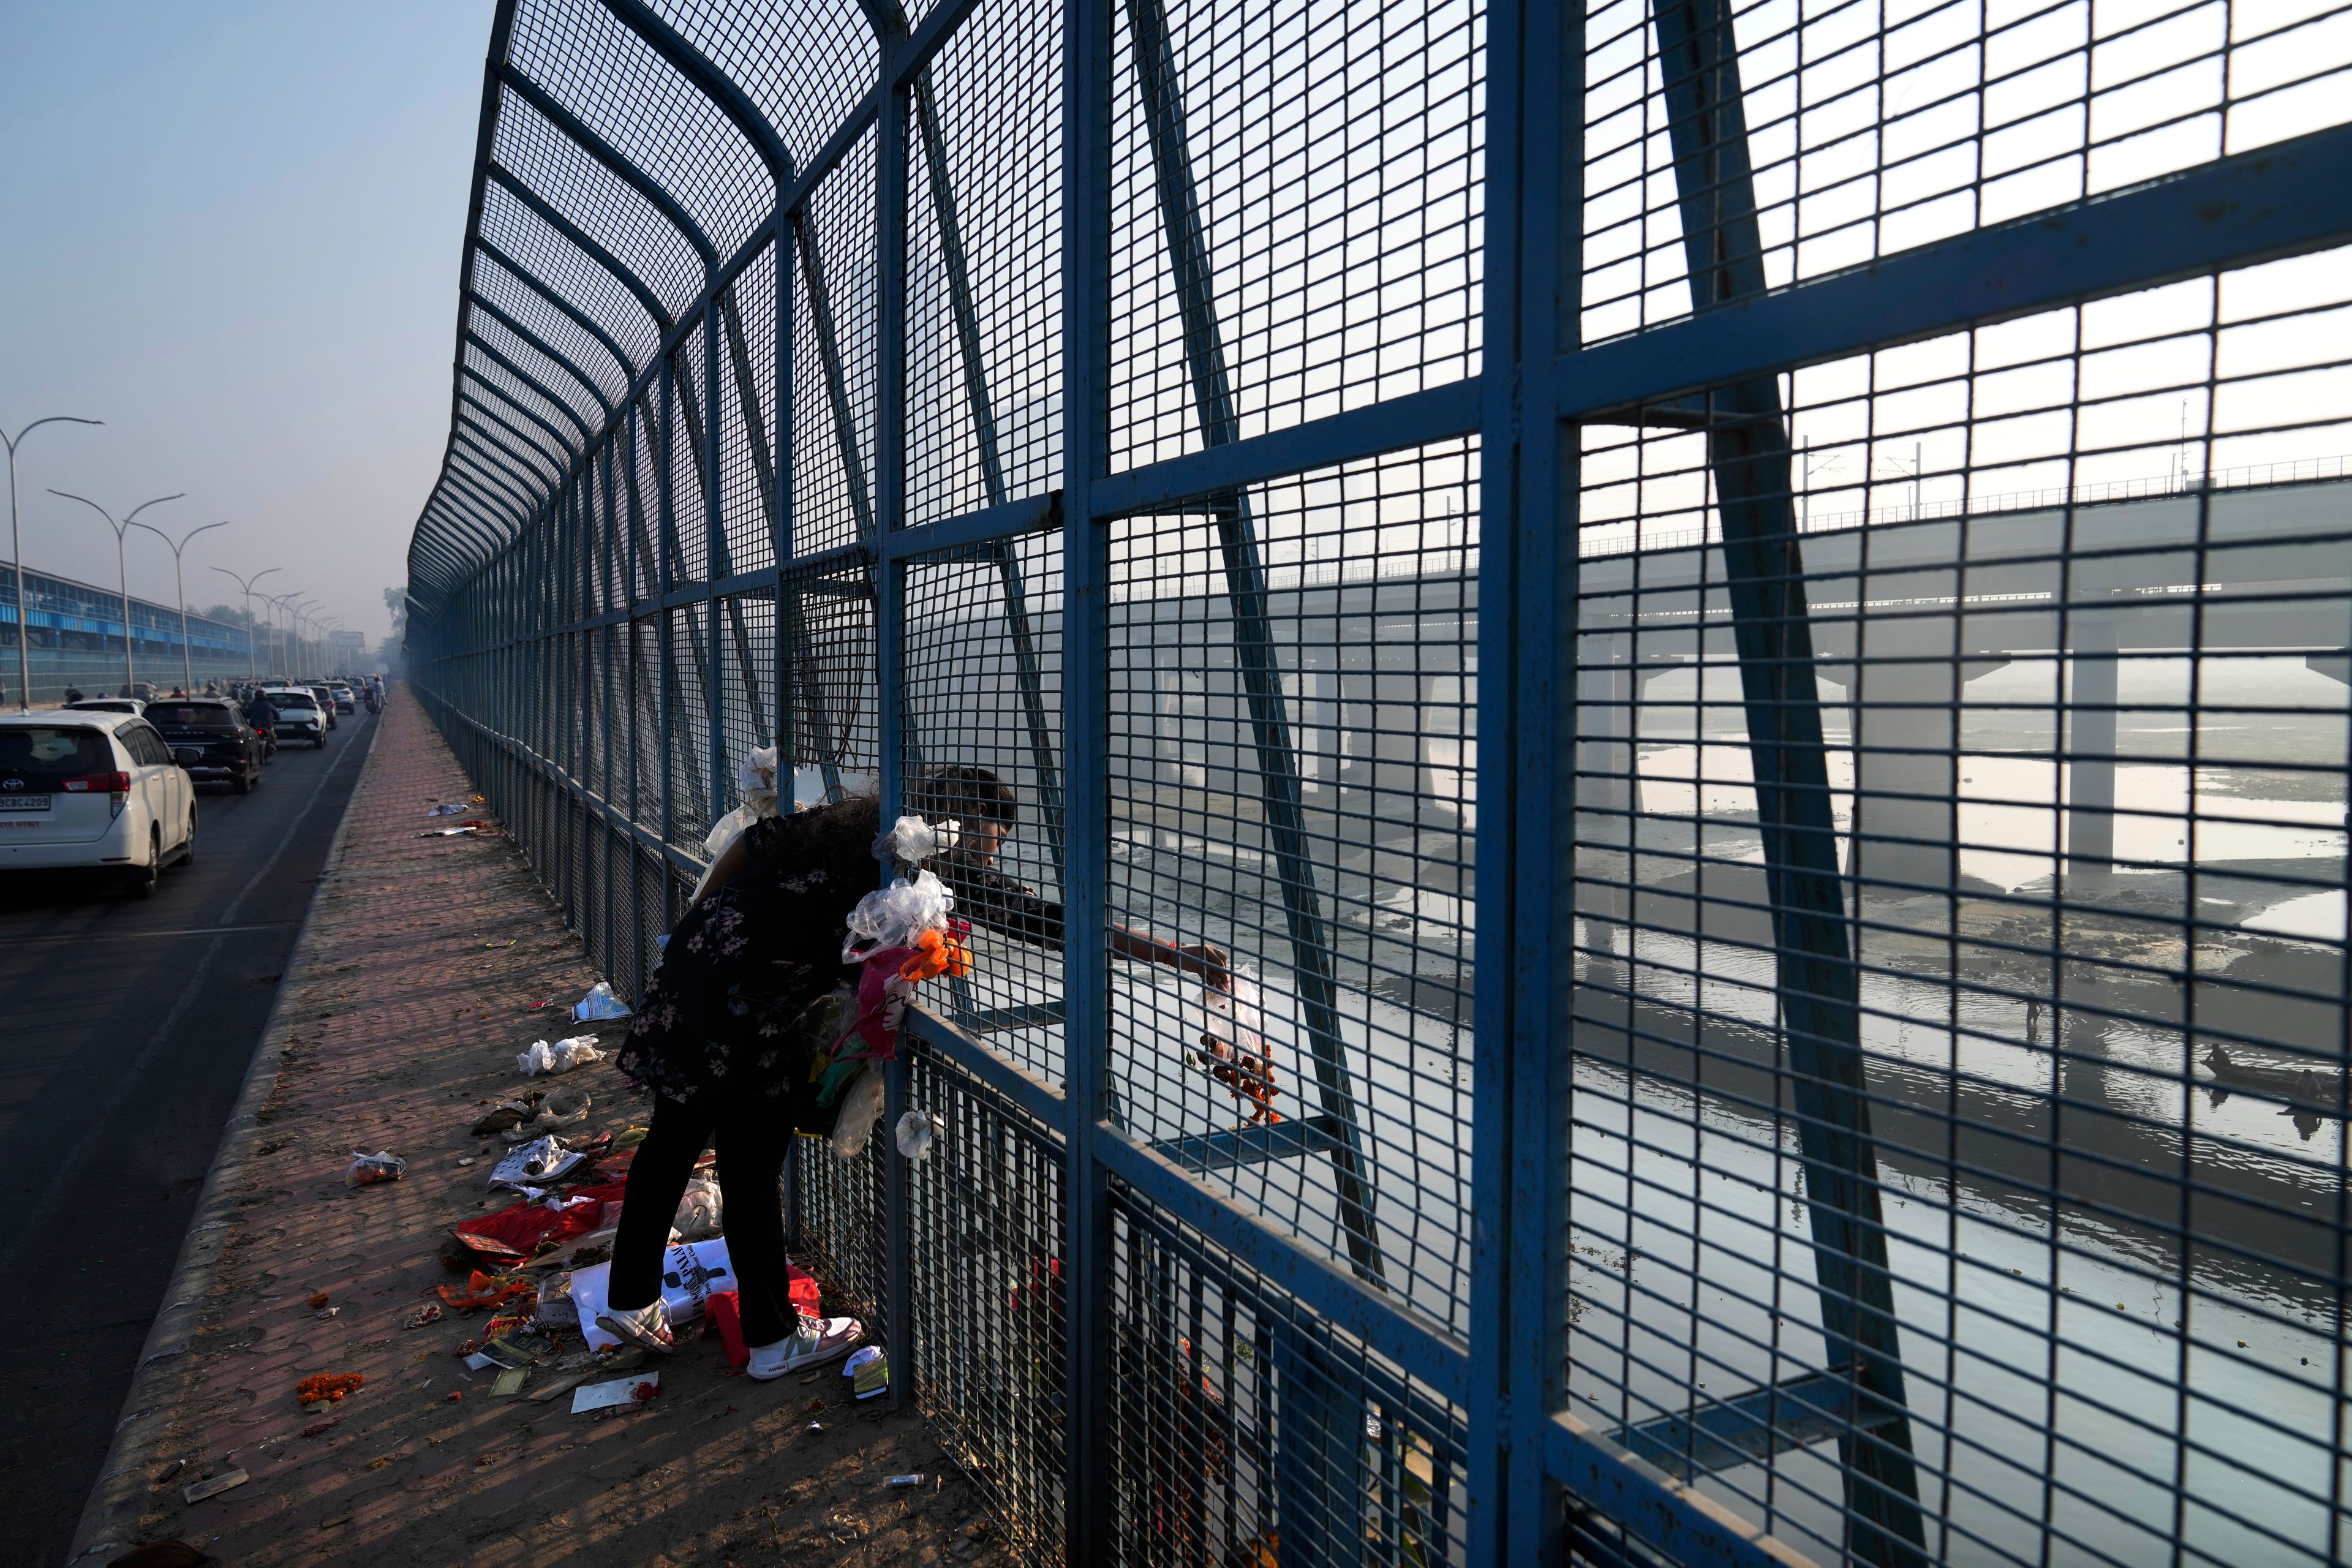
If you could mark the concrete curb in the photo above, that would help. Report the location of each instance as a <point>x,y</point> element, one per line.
<point>125,1481</point>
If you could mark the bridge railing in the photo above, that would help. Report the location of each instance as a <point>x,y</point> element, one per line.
<point>1829,1044</point>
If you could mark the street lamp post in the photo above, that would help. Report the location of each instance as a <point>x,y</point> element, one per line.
<point>180,584</point>
<point>252,675</point>
<point>123,568</point>
<point>278,644</point>
<point>17,537</point>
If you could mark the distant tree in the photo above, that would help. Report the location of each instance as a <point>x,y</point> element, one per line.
<point>226,614</point>
<point>392,653</point>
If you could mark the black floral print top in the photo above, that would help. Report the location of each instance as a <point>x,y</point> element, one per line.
<point>746,962</point>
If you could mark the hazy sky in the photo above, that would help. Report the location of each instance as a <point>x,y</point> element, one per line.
<point>232,233</point>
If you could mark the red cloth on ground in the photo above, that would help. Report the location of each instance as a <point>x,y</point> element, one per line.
<point>527,1226</point>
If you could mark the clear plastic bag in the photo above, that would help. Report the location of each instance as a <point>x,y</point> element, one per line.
<point>600,1003</point>
<point>911,840</point>
<point>366,1169</point>
<point>702,1215</point>
<point>916,1133</point>
<point>861,1108</point>
<point>560,1057</point>
<point>896,915</point>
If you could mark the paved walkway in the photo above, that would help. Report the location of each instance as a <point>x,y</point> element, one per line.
<point>400,1013</point>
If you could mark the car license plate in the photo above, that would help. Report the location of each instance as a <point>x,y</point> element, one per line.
<point>23,803</point>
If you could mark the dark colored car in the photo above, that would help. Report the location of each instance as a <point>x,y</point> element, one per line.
<point>210,740</point>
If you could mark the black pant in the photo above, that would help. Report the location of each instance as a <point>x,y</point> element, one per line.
<point>754,1139</point>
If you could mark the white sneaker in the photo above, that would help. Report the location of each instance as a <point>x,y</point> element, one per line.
<point>819,1341</point>
<point>647,1327</point>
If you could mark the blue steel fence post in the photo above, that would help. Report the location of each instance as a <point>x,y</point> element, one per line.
<point>664,518</point>
<point>717,560</point>
<point>614,598</point>
<point>890,622</point>
<point>1089,1433</point>
<point>1749,456</point>
<point>1518,1301</point>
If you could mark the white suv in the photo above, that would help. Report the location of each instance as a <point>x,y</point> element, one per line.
<point>299,718</point>
<point>97,790</point>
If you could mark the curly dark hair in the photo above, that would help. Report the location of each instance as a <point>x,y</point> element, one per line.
<point>960,791</point>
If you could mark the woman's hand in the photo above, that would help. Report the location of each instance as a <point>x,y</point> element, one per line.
<point>1209,963</point>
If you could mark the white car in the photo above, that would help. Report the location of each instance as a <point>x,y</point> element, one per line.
<point>95,790</point>
<point>299,718</point>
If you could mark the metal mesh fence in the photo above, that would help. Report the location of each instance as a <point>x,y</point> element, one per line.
<point>1675,676</point>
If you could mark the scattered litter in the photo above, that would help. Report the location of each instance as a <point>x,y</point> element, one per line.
<point>699,1211</point>
<point>487,1290</point>
<point>318,1300</point>
<point>816,1425</point>
<point>505,1115</point>
<point>618,1394</point>
<point>564,1108</point>
<point>561,1057</point>
<point>320,1428</point>
<point>497,946</point>
<point>869,1371</point>
<point>600,1003</point>
<point>916,1132</point>
<point>366,1169</point>
<point>168,1471</point>
<point>629,1139</point>
<point>511,1381</point>
<point>454,1396</point>
<point>466,1160</point>
<point>451,809</point>
<point>540,1160</point>
<point>449,832</point>
<point>428,1313</point>
<point>541,1007</point>
<point>690,1272</point>
<point>214,1487</point>
<point>914,1480</point>
<point>327,1387</point>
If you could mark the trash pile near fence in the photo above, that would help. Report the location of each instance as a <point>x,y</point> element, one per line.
<point>398,1356</point>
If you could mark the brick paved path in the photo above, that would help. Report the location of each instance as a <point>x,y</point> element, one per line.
<point>398,1016</point>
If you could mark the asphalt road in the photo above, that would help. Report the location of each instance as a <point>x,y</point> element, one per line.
<point>125,1032</point>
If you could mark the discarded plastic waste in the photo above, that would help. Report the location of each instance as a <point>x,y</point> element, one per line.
<point>600,1003</point>
<point>563,1107</point>
<point>214,1487</point>
<point>539,1161</point>
<point>913,1481</point>
<point>869,1371</point>
<point>560,1057</point>
<point>618,1394</point>
<point>451,809</point>
<point>861,1108</point>
<point>690,1272</point>
<point>366,1169</point>
<point>910,839</point>
<point>511,1381</point>
<point>700,1214</point>
<point>916,1132</point>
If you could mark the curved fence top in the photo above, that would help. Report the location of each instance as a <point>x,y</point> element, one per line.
<point>1731,621</point>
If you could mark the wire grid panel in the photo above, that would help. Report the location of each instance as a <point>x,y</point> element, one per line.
<point>829,663</point>
<point>982,675</point>
<point>984,265</point>
<point>833,344</point>
<point>989,1257</point>
<point>1296,200</point>
<point>1244,1429</point>
<point>2075,586</point>
<point>1292,750</point>
<point>1873,128</point>
<point>693,659</point>
<point>843,1229</point>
